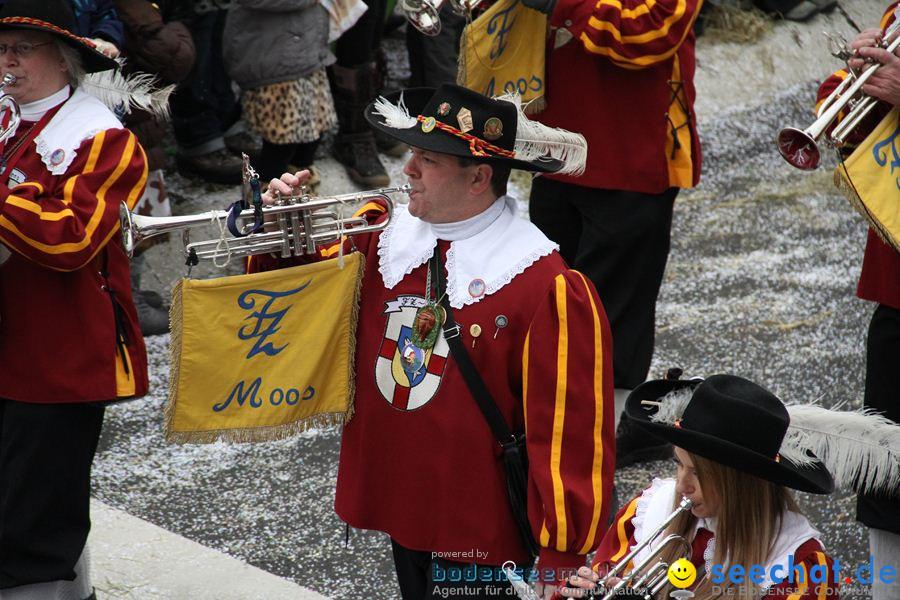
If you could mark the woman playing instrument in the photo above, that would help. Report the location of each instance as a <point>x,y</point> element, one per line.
<point>728,434</point>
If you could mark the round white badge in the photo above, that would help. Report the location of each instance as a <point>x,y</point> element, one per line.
<point>476,288</point>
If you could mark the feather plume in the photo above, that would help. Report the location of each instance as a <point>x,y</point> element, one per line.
<point>672,405</point>
<point>396,116</point>
<point>534,139</point>
<point>860,448</point>
<point>124,93</point>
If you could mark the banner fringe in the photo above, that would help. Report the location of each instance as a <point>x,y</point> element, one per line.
<point>271,433</point>
<point>843,182</point>
<point>176,318</point>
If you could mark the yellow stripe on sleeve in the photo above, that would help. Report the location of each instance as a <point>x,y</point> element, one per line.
<point>620,531</point>
<point>597,469</point>
<point>35,208</point>
<point>559,413</point>
<point>802,583</point>
<point>641,38</point>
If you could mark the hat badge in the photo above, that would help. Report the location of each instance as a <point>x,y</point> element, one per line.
<point>428,124</point>
<point>464,116</point>
<point>493,129</point>
<point>444,109</point>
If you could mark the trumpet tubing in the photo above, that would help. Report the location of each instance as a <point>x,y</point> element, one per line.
<point>800,148</point>
<point>302,223</point>
<point>9,103</point>
<point>651,573</point>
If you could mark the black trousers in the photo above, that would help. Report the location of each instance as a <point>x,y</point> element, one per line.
<point>882,385</point>
<point>46,451</point>
<point>422,576</point>
<point>620,241</point>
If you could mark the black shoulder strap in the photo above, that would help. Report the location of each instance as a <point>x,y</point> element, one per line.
<point>470,374</point>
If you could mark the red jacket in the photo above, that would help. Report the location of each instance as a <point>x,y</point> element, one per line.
<point>418,460</point>
<point>63,336</point>
<point>625,80</point>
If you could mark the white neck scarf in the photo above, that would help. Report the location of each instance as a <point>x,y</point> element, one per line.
<point>486,251</point>
<point>34,111</point>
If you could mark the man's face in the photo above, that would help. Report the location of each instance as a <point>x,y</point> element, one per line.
<point>441,188</point>
<point>40,73</point>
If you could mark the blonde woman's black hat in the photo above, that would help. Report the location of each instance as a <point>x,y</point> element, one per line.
<point>729,420</point>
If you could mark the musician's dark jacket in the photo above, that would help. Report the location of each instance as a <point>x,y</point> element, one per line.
<point>879,281</point>
<point>418,460</point>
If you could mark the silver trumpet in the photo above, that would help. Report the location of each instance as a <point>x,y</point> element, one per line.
<point>800,147</point>
<point>423,14</point>
<point>302,222</point>
<point>9,103</point>
<point>646,578</point>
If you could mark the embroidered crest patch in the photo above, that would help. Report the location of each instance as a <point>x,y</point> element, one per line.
<point>407,376</point>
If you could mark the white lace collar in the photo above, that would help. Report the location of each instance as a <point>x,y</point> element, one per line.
<point>80,118</point>
<point>655,504</point>
<point>488,253</point>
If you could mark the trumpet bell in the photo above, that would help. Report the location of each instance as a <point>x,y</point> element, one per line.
<point>798,148</point>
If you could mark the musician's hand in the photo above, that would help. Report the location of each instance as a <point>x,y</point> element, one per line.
<point>580,584</point>
<point>884,83</point>
<point>287,185</point>
<point>867,38</point>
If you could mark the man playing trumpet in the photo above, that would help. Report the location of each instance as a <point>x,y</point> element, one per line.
<point>880,282</point>
<point>418,460</point>
<point>69,335</point>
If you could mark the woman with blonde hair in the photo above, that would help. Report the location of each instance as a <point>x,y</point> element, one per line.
<point>738,450</point>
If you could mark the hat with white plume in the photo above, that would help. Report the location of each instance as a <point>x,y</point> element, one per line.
<point>735,422</point>
<point>457,121</point>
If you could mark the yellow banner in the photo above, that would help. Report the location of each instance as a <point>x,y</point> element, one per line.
<point>502,51</point>
<point>870,178</point>
<point>262,356</point>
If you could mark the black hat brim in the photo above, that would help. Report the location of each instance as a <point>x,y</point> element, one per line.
<point>813,478</point>
<point>91,60</point>
<point>436,140</point>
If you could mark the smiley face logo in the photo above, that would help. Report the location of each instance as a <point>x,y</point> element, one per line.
<point>682,573</point>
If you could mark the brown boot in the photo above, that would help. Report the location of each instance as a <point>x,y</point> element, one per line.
<point>354,145</point>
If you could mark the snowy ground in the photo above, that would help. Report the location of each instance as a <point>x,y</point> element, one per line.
<point>760,282</point>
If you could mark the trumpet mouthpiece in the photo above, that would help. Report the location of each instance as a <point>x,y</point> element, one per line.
<point>798,148</point>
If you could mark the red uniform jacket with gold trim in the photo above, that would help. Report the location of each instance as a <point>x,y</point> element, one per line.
<point>609,68</point>
<point>418,460</point>
<point>879,280</point>
<point>809,554</point>
<point>58,323</point>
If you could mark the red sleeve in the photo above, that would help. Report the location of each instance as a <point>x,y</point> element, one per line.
<point>63,228</point>
<point>375,212</point>
<point>632,33</point>
<point>814,577</point>
<point>568,398</point>
<point>618,539</point>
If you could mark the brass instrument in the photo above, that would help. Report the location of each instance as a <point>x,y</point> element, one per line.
<point>423,14</point>
<point>650,579</point>
<point>800,148</point>
<point>302,222</point>
<point>7,102</point>
<point>643,578</point>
